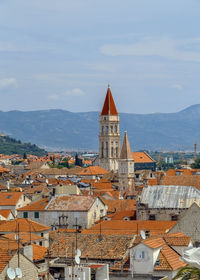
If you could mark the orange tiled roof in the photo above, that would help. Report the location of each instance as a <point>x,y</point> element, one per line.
<point>141,157</point>
<point>92,170</point>
<point>130,227</point>
<point>153,242</point>
<point>110,247</point>
<point>4,170</point>
<point>35,206</point>
<point>4,259</point>
<point>71,203</point>
<point>115,205</point>
<point>5,213</point>
<point>153,182</point>
<point>122,214</point>
<point>9,198</point>
<point>39,252</point>
<point>169,259</point>
<point>25,237</point>
<point>177,239</point>
<point>25,225</point>
<point>109,107</point>
<point>182,180</point>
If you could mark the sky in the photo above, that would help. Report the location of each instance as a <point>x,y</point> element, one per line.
<point>63,54</point>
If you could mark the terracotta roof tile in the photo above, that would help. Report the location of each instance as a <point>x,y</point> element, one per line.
<point>141,157</point>
<point>169,259</point>
<point>71,203</point>
<point>115,205</point>
<point>5,213</point>
<point>110,247</point>
<point>92,170</point>
<point>39,252</point>
<point>182,180</point>
<point>35,206</point>
<point>9,198</point>
<point>109,107</point>
<point>4,259</point>
<point>130,227</point>
<point>25,225</point>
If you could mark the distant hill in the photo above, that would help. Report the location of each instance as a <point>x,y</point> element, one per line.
<point>59,129</point>
<point>11,146</point>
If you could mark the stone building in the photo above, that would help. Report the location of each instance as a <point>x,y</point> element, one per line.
<point>109,134</point>
<point>28,268</point>
<point>126,168</point>
<point>64,211</point>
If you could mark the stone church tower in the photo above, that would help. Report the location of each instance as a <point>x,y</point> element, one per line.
<point>109,134</point>
<point>126,171</point>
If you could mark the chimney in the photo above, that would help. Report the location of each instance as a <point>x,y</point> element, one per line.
<point>8,184</point>
<point>28,252</point>
<point>147,233</point>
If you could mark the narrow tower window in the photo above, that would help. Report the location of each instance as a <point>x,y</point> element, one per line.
<point>117,152</point>
<point>102,129</point>
<point>112,151</point>
<point>102,148</point>
<point>116,128</point>
<point>106,149</point>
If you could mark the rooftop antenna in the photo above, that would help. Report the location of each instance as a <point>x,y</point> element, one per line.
<point>11,273</point>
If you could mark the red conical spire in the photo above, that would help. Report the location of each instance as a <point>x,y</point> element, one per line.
<point>109,107</point>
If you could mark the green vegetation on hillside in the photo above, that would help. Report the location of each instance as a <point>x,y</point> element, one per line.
<point>11,146</point>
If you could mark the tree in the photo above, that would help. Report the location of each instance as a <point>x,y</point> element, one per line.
<point>25,156</point>
<point>78,161</point>
<point>188,272</point>
<point>196,164</point>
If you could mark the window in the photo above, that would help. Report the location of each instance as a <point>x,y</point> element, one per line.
<point>107,129</point>
<point>112,151</point>
<point>174,218</point>
<point>36,215</point>
<point>152,217</point>
<point>111,129</point>
<point>116,129</point>
<point>101,212</point>
<point>102,129</point>
<point>106,149</point>
<point>25,215</point>
<point>102,148</point>
<point>42,234</point>
<point>95,215</point>
<point>117,152</point>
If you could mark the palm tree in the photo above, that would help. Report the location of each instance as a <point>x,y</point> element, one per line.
<point>188,272</point>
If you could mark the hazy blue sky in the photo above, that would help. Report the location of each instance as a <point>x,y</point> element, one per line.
<point>62,54</point>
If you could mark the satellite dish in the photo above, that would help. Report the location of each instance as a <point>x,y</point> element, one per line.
<point>142,234</point>
<point>18,272</point>
<point>78,252</point>
<point>11,273</point>
<point>77,259</point>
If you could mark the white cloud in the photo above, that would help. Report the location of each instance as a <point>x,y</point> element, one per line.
<point>74,92</point>
<point>8,83</point>
<point>163,47</point>
<point>177,86</point>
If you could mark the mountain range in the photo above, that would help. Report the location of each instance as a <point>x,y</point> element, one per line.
<point>64,130</point>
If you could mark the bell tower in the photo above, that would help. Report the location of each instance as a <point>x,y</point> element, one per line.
<point>109,134</point>
<point>126,171</point>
